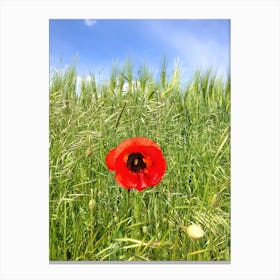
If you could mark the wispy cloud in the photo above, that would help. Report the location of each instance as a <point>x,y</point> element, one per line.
<point>195,52</point>
<point>89,22</point>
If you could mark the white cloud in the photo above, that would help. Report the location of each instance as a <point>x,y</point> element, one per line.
<point>135,86</point>
<point>79,79</point>
<point>89,22</point>
<point>194,52</point>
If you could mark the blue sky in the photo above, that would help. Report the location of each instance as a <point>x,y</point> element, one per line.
<point>98,44</point>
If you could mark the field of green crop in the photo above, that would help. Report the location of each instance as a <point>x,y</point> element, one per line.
<point>92,218</point>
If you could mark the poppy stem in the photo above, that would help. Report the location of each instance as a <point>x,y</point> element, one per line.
<point>128,203</point>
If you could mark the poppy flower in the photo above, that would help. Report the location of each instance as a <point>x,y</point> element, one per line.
<point>138,162</point>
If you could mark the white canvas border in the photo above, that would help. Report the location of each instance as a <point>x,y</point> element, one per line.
<point>255,138</point>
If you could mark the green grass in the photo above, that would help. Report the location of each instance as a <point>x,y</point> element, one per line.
<point>192,127</point>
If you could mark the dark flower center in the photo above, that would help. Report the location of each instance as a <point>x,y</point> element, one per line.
<point>135,162</point>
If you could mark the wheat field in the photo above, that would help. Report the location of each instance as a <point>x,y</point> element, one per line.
<point>91,217</point>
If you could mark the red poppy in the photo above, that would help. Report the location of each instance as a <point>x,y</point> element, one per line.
<point>138,162</point>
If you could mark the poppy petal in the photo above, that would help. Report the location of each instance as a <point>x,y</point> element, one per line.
<point>131,181</point>
<point>127,179</point>
<point>158,165</point>
<point>110,159</point>
<point>132,144</point>
<point>142,182</point>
